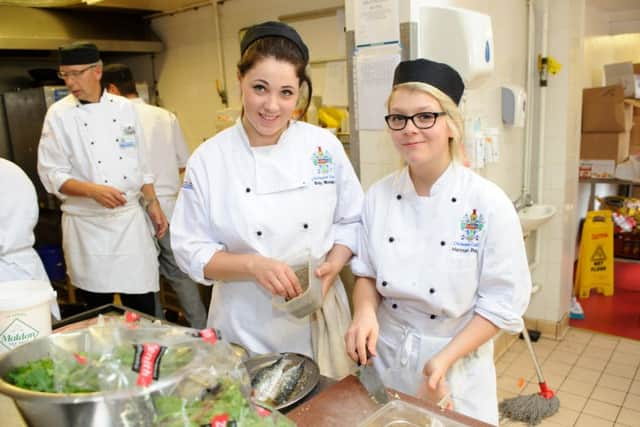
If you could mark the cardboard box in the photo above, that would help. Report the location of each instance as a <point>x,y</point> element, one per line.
<point>622,73</point>
<point>603,109</point>
<point>605,146</point>
<point>590,168</point>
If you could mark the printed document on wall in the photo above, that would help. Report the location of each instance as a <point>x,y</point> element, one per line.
<point>377,22</point>
<point>374,78</point>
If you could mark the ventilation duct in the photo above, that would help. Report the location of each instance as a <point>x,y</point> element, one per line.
<point>35,28</point>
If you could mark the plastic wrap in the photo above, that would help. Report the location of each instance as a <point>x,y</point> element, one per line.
<point>153,374</point>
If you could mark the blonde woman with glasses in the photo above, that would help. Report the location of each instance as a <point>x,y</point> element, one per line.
<point>441,264</point>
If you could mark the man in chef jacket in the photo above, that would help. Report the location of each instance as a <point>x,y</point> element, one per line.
<point>91,156</point>
<point>168,155</point>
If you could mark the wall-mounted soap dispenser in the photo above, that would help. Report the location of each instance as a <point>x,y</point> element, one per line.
<point>514,105</point>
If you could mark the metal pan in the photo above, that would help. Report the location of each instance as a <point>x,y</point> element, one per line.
<point>307,383</point>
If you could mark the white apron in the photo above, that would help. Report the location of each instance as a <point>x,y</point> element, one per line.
<point>403,351</point>
<point>109,250</point>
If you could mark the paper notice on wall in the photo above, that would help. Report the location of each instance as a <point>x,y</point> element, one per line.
<point>374,78</point>
<point>335,84</point>
<point>377,22</point>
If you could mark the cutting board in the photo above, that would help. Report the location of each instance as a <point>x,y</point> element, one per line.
<point>347,403</point>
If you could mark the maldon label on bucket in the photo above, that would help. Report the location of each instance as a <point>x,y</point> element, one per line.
<point>16,333</point>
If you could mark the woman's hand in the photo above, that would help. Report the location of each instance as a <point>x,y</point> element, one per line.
<point>327,273</point>
<point>362,336</point>
<point>434,384</point>
<point>275,276</point>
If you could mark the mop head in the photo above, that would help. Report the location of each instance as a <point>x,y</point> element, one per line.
<point>576,311</point>
<point>529,409</point>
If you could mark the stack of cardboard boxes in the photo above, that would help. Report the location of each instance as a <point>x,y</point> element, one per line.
<point>610,121</point>
<point>607,120</point>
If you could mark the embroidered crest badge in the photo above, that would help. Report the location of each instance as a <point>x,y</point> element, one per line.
<point>324,167</point>
<point>471,225</point>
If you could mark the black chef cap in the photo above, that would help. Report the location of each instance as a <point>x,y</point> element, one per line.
<point>436,74</point>
<point>78,53</point>
<point>273,29</point>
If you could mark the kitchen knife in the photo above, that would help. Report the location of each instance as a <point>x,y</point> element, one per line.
<point>371,381</point>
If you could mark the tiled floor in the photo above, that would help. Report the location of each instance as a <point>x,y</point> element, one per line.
<point>596,378</point>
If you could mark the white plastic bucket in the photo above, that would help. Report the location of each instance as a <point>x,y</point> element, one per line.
<point>24,312</point>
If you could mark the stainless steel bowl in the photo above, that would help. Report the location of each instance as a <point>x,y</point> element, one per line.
<point>128,407</point>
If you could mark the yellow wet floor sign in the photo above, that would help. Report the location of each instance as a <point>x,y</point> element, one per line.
<point>595,258</point>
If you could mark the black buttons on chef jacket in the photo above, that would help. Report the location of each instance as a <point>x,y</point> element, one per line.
<point>85,125</point>
<point>305,226</point>
<point>247,190</point>
<point>391,239</point>
<point>259,233</point>
<point>92,142</point>
<point>433,316</point>
<point>453,200</point>
<point>442,243</point>
<point>384,283</point>
<point>120,157</point>
<point>399,196</point>
<point>114,120</point>
<point>124,177</point>
<point>431,290</point>
<point>99,161</point>
<point>105,181</point>
<point>394,305</point>
<point>117,139</point>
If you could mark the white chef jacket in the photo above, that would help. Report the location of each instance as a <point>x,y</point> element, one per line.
<point>166,151</point>
<point>437,261</point>
<point>107,250</point>
<point>18,216</point>
<point>282,201</point>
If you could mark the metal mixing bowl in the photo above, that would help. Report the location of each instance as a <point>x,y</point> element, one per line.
<point>128,407</point>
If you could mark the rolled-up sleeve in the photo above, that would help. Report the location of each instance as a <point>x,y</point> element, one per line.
<point>192,237</point>
<point>361,264</point>
<point>505,281</point>
<point>54,167</point>
<point>349,205</point>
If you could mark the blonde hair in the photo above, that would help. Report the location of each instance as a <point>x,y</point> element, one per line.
<point>453,118</point>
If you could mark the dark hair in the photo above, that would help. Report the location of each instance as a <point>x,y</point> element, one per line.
<point>121,77</point>
<point>281,49</point>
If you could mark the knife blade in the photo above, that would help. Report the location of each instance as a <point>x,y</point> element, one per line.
<point>369,378</point>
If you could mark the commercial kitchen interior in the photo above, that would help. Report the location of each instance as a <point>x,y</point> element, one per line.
<point>195,43</point>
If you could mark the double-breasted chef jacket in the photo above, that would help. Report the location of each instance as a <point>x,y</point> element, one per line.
<point>438,261</point>
<point>286,201</point>
<point>107,250</point>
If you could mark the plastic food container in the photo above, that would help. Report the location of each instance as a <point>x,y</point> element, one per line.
<point>311,298</point>
<point>24,312</point>
<point>398,413</point>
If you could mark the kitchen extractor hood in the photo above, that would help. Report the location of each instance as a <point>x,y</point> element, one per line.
<point>45,29</point>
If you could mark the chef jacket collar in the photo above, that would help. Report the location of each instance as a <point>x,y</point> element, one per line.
<point>444,182</point>
<point>105,97</point>
<point>245,138</point>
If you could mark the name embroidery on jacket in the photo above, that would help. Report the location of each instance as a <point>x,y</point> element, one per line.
<point>128,137</point>
<point>324,172</point>
<point>471,226</point>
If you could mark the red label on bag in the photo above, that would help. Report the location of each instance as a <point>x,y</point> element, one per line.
<point>131,317</point>
<point>146,362</point>
<point>220,420</point>
<point>209,335</point>
<point>80,358</point>
<point>263,412</point>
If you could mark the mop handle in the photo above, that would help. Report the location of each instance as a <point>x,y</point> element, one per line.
<point>525,334</point>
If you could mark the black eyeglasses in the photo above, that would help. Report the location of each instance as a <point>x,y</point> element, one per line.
<point>423,120</point>
<point>68,74</point>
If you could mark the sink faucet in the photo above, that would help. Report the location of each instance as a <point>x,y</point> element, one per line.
<point>523,201</point>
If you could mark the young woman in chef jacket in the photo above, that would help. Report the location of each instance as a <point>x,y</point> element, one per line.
<point>264,195</point>
<point>441,264</point>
